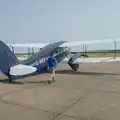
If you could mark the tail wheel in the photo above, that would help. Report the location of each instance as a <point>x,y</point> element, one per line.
<point>10,78</point>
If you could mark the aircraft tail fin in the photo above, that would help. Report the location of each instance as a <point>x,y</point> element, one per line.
<point>7,58</point>
<point>71,61</point>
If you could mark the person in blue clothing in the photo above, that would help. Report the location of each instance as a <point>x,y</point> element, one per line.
<point>52,63</point>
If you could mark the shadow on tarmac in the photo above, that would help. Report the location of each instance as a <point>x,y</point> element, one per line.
<point>68,72</point>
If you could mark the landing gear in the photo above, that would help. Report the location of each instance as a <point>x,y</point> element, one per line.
<point>75,69</point>
<point>9,77</point>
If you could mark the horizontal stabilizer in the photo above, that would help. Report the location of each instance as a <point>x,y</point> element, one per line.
<point>20,69</point>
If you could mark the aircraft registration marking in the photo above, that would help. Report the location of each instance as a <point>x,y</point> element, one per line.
<point>43,60</point>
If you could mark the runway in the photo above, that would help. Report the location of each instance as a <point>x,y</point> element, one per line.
<point>91,93</point>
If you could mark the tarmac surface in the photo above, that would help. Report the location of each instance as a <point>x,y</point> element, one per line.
<point>91,93</point>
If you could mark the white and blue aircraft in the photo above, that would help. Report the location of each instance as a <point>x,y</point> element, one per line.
<point>10,65</point>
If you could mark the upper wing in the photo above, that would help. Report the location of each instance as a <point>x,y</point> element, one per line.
<point>34,45</point>
<point>67,44</point>
<point>78,43</point>
<point>45,52</point>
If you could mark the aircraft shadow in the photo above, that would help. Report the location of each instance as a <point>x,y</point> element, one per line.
<point>6,81</point>
<point>14,82</point>
<point>83,73</point>
<point>16,78</point>
<point>68,72</point>
<point>44,82</point>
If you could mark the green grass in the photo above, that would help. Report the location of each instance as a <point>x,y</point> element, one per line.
<point>2,76</point>
<point>22,55</point>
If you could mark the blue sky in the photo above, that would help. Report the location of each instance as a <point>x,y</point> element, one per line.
<point>24,21</point>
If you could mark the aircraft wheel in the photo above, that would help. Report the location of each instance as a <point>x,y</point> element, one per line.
<point>75,69</point>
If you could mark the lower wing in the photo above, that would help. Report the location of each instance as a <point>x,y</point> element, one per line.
<point>91,60</point>
<point>87,60</point>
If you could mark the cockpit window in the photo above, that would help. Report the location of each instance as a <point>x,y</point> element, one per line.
<point>59,49</point>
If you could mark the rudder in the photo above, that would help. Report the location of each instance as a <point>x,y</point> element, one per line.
<point>7,58</point>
